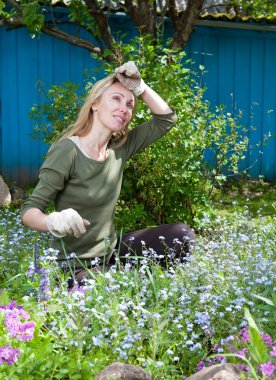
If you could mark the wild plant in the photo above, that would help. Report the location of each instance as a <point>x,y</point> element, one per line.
<point>164,319</point>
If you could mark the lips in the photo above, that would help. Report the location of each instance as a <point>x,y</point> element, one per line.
<point>120,118</point>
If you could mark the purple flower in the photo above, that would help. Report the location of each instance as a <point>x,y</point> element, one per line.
<point>31,271</point>
<point>36,259</point>
<point>12,305</point>
<point>221,359</point>
<point>200,365</point>
<point>242,352</point>
<point>44,287</point>
<point>244,368</point>
<point>9,355</point>
<point>268,369</point>
<point>244,334</point>
<point>267,339</point>
<point>232,348</point>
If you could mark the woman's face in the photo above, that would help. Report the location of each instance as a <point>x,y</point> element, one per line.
<point>114,109</point>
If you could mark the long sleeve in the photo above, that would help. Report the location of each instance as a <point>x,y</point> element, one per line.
<point>147,133</point>
<point>53,175</point>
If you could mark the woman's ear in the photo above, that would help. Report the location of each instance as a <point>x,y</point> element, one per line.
<point>94,107</point>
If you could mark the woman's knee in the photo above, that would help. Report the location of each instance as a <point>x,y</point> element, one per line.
<point>182,235</point>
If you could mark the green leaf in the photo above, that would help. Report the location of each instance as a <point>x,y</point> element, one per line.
<point>107,52</point>
<point>2,7</point>
<point>266,300</point>
<point>257,348</point>
<point>4,297</point>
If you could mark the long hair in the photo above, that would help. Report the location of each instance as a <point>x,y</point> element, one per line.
<point>84,121</point>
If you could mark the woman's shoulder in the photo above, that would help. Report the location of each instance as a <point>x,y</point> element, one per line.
<point>62,150</point>
<point>61,156</point>
<point>63,145</point>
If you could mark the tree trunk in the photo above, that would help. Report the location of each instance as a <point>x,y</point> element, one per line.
<point>102,22</point>
<point>183,23</point>
<point>143,16</point>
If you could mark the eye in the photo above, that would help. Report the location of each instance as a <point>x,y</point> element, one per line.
<point>117,98</point>
<point>130,105</point>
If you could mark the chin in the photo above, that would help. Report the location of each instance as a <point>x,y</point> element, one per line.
<point>119,129</point>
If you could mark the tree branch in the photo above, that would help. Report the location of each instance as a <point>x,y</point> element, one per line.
<point>15,22</point>
<point>163,11</point>
<point>54,32</point>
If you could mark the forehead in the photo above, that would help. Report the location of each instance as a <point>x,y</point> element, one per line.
<point>119,88</point>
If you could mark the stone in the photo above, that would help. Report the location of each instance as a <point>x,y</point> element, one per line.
<point>17,193</point>
<point>225,371</point>
<point>5,195</point>
<point>120,371</point>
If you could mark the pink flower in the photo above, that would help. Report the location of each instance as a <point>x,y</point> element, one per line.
<point>9,355</point>
<point>18,325</point>
<point>26,331</point>
<point>268,369</point>
<point>273,352</point>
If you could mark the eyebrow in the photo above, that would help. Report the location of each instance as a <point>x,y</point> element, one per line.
<point>120,93</point>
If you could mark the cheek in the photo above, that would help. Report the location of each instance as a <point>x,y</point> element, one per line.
<point>130,114</point>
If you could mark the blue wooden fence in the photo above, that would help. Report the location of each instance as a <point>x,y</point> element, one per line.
<point>241,73</point>
<point>240,67</point>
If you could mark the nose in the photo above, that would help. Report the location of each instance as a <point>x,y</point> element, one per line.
<point>123,107</point>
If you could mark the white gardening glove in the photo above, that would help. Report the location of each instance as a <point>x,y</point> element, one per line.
<point>66,222</point>
<point>128,74</point>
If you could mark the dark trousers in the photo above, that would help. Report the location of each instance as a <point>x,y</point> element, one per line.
<point>168,241</point>
<point>166,244</point>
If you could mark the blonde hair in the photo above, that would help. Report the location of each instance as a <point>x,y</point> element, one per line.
<point>84,121</point>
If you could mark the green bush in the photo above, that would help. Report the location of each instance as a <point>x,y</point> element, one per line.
<point>58,112</point>
<point>173,179</point>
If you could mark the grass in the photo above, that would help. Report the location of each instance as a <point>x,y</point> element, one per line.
<point>170,322</point>
<point>257,196</point>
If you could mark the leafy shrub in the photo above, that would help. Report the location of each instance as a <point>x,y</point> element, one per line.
<point>173,179</point>
<point>59,111</point>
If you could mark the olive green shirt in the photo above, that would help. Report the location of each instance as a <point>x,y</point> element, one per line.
<point>72,180</point>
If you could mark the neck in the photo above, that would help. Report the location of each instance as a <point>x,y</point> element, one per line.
<point>96,151</point>
<point>96,141</point>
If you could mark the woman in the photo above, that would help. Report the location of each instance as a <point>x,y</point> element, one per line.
<point>82,174</point>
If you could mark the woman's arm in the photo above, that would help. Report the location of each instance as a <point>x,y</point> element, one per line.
<point>35,219</point>
<point>53,176</point>
<point>60,224</point>
<point>154,101</point>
